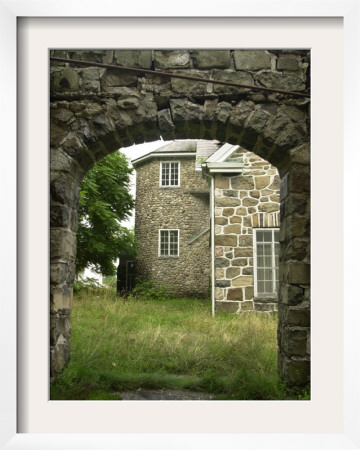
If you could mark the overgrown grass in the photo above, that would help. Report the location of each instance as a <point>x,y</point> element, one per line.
<point>129,343</point>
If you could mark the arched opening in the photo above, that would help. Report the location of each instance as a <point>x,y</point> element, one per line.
<point>95,111</point>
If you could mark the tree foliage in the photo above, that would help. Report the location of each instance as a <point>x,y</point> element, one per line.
<point>105,201</point>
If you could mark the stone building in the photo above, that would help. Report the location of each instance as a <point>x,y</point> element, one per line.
<point>258,99</point>
<point>203,211</point>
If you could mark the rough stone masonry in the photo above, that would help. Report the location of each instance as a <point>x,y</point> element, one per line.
<point>94,111</point>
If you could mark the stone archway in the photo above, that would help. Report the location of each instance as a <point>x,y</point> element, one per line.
<point>95,110</point>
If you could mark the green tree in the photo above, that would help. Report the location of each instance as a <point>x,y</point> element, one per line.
<point>105,201</point>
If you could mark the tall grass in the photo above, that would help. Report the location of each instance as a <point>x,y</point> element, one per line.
<point>122,344</point>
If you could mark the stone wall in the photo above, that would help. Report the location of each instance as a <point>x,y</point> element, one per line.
<point>173,208</point>
<point>243,202</point>
<point>94,111</point>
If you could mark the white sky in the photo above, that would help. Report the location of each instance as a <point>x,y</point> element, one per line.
<point>133,152</point>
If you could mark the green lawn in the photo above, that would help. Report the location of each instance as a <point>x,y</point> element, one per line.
<point>122,344</point>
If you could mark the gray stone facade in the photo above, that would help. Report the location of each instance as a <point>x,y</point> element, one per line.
<point>243,202</point>
<point>97,110</point>
<point>185,208</point>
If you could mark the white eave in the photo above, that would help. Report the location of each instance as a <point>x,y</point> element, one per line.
<point>223,167</point>
<point>217,163</point>
<point>162,155</point>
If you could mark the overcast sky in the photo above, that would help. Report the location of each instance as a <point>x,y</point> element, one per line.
<point>133,152</point>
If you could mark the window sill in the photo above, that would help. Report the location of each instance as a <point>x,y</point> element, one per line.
<point>168,257</point>
<point>266,298</point>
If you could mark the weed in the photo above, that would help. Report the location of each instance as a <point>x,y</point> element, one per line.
<point>151,341</point>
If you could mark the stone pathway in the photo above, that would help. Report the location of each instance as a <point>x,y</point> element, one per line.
<point>166,394</point>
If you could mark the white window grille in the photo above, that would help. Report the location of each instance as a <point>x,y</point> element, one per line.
<point>266,262</point>
<point>168,242</point>
<point>170,174</point>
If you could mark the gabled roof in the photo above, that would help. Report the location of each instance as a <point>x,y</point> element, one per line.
<point>221,161</point>
<point>200,148</point>
<point>171,149</point>
<point>204,150</point>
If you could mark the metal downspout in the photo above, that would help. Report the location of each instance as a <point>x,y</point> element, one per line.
<point>212,234</point>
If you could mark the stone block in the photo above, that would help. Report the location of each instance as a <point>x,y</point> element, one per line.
<point>219,273</point>
<point>249,293</point>
<point>165,121</point>
<point>239,262</point>
<point>247,305</point>
<point>219,251</point>
<point>227,201</point>
<point>211,59</point>
<point>245,241</point>
<point>221,182</point>
<point>252,60</point>
<point>59,216</point>
<point>248,271</point>
<point>133,58</point>
<point>60,299</point>
<point>66,80</point>
<point>61,114</point>
<point>294,372</point>
<point>287,62</point>
<point>295,342</point>
<point>224,306</point>
<point>243,182</point>
<point>262,182</point>
<point>232,229</point>
<point>298,316</point>
<point>268,207</point>
<point>91,79</point>
<point>171,59</point>
<point>62,244</point>
<point>222,283</point>
<point>265,307</point>
<point>249,201</point>
<point>235,294</point>
<point>276,80</point>
<point>231,193</point>
<point>227,212</point>
<point>220,221</point>
<point>222,262</point>
<point>58,133</point>
<point>232,272</point>
<point>258,121</point>
<point>219,294</point>
<point>241,211</point>
<point>181,86</point>
<point>227,240</point>
<point>233,77</point>
<point>299,273</point>
<point>242,281</point>
<point>236,219</point>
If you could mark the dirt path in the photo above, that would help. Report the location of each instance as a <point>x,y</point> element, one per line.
<point>166,394</point>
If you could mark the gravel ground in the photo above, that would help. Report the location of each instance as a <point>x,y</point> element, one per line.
<point>167,394</point>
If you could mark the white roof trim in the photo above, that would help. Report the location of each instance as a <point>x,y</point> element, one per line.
<point>230,167</point>
<point>224,152</point>
<point>162,155</point>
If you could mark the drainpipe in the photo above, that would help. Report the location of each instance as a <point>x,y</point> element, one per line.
<point>212,234</point>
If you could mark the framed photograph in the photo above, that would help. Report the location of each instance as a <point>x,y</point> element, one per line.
<point>29,419</point>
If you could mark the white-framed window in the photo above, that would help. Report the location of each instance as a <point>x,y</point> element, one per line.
<point>266,261</point>
<point>169,242</point>
<point>169,173</point>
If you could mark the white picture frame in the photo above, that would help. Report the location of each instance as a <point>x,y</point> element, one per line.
<point>10,438</point>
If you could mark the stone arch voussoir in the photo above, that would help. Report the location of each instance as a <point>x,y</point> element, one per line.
<point>96,110</point>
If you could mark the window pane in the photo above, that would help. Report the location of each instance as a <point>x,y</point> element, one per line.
<point>267,235</point>
<point>173,242</point>
<point>174,174</point>
<point>267,261</point>
<point>165,175</point>
<point>164,243</point>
